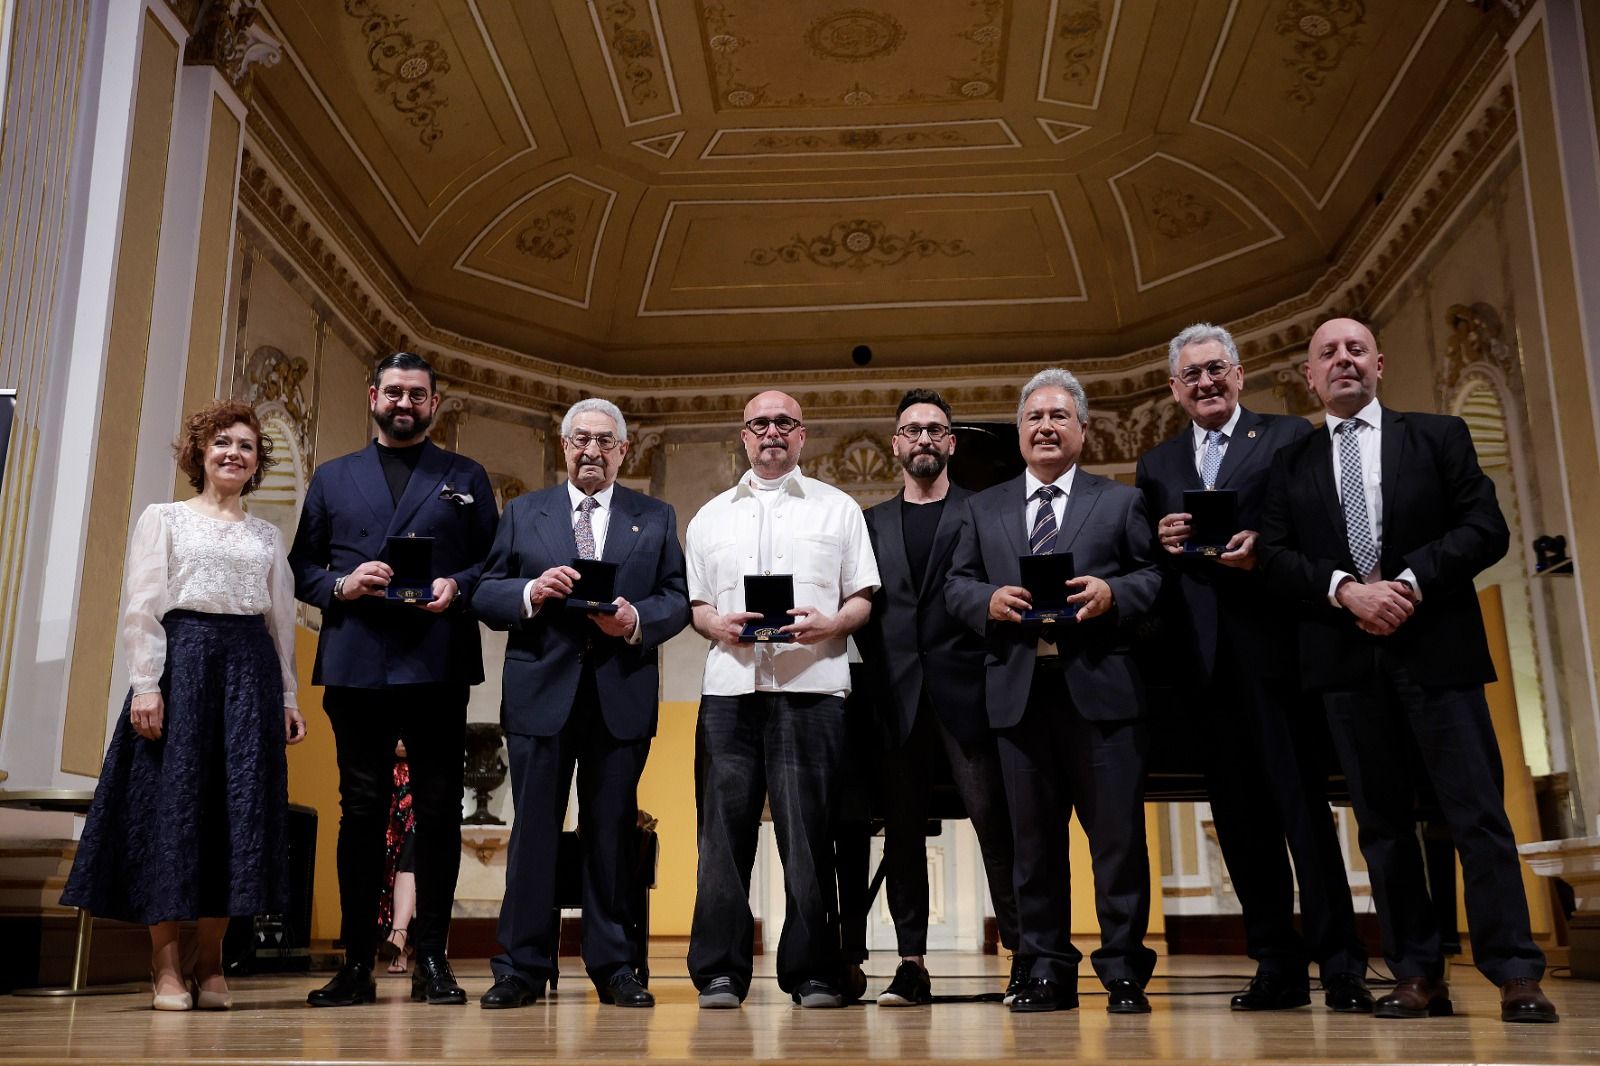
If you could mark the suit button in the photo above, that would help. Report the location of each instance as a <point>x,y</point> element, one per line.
<point>363,532</point>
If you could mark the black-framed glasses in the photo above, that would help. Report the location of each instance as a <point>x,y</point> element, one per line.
<point>604,441</point>
<point>783,424</point>
<point>1216,370</point>
<point>936,433</point>
<point>394,394</point>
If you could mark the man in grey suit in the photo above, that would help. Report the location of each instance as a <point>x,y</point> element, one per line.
<point>1066,699</point>
<point>580,687</point>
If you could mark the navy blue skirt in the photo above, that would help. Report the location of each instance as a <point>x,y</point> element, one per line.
<point>194,825</point>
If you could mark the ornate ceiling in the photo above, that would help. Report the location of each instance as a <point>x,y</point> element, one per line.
<point>695,186</point>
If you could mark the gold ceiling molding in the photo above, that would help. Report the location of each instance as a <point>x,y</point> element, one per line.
<point>1320,33</point>
<point>1059,131</point>
<point>546,242</point>
<point>629,32</point>
<point>405,69</point>
<point>1078,52</point>
<point>883,138</point>
<point>664,145</point>
<point>858,243</point>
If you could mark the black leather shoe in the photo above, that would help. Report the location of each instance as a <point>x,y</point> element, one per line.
<point>1273,991</point>
<point>508,992</point>
<point>1126,997</point>
<point>432,981</point>
<point>625,990</point>
<point>1021,967</point>
<point>351,985</point>
<point>1347,993</point>
<point>853,983</point>
<point>1038,994</point>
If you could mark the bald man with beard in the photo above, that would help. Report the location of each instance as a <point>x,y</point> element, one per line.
<point>772,718</point>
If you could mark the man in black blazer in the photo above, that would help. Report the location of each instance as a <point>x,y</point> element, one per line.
<point>1229,655</point>
<point>395,670</point>
<point>580,687</point>
<point>926,670</point>
<point>1378,525</point>
<point>1066,698</point>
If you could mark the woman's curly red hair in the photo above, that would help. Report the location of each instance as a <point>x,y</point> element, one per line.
<point>200,428</point>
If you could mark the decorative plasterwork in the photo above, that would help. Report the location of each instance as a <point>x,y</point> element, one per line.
<point>860,460</point>
<point>1477,342</point>
<point>1011,253</point>
<point>546,242</point>
<point>859,244</point>
<point>404,68</point>
<point>1059,131</point>
<point>854,55</point>
<point>1169,227</point>
<point>881,138</point>
<point>635,50</point>
<point>1077,52</point>
<point>1319,33</point>
<point>664,145</point>
<point>228,35</point>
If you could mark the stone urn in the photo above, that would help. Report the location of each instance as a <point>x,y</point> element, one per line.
<point>485,769</point>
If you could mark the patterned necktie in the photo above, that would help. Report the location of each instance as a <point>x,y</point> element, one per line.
<point>1353,493</point>
<point>1211,458</point>
<point>1042,540</point>
<point>584,530</point>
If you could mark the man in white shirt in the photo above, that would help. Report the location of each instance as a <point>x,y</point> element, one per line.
<point>772,714</point>
<point>579,686</point>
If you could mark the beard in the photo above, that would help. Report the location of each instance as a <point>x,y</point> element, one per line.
<point>386,422</point>
<point>925,464</point>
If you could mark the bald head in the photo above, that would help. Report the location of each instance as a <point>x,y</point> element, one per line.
<point>772,451</point>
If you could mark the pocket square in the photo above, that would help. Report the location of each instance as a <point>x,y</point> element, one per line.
<point>460,499</point>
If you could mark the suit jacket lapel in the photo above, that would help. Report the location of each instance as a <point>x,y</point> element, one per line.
<point>1080,501</point>
<point>1179,453</point>
<point>1323,484</point>
<point>1013,518</point>
<point>373,486</point>
<point>1242,447</point>
<point>942,536</point>
<point>431,469</point>
<point>1392,456</point>
<point>896,568</point>
<point>622,527</point>
<point>555,525</point>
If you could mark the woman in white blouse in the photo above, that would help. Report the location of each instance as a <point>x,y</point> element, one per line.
<point>189,819</point>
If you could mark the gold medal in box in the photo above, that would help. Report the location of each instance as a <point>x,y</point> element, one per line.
<point>411,559</point>
<point>772,596</point>
<point>595,588</point>
<point>1213,520</point>
<point>1045,577</point>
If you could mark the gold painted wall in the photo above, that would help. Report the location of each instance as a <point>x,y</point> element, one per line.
<point>117,435</point>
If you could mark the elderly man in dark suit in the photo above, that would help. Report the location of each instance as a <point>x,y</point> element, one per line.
<point>580,687</point>
<point>1378,525</point>
<point>395,670</point>
<point>1232,659</point>
<point>1066,698</point>
<point>926,671</point>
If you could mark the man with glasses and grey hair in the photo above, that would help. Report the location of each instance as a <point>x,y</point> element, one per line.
<point>1065,698</point>
<point>772,714</point>
<point>1233,659</point>
<point>580,686</point>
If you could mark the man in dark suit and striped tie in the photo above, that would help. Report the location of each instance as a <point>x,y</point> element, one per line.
<point>1066,699</point>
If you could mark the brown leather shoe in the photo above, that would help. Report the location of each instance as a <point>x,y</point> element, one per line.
<point>1415,997</point>
<point>1522,1000</point>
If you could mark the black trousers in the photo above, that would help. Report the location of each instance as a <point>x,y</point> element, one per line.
<point>908,773</point>
<point>608,809</point>
<point>1266,787</point>
<point>432,721</point>
<point>1055,761</point>
<point>1374,728</point>
<point>786,748</point>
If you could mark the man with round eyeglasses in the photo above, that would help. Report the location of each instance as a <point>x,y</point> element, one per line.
<point>926,669</point>
<point>772,715</point>
<point>396,670</point>
<point>580,688</point>
<point>1233,660</point>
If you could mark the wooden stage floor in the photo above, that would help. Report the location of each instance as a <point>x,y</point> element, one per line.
<point>1191,1023</point>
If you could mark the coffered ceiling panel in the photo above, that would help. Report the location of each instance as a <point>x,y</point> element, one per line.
<point>622,182</point>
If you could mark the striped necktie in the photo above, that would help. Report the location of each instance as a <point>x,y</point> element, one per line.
<point>1042,539</point>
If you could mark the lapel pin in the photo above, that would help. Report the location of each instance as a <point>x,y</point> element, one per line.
<point>636,529</point>
<point>1251,434</point>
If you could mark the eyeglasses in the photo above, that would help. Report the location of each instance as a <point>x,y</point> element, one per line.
<point>394,394</point>
<point>604,441</point>
<point>1216,370</point>
<point>936,433</point>
<point>783,423</point>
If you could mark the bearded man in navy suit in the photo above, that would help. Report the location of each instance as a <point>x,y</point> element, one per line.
<point>395,670</point>
<point>580,687</point>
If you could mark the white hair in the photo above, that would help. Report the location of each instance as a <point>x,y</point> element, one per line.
<point>1056,378</point>
<point>1200,333</point>
<point>599,406</point>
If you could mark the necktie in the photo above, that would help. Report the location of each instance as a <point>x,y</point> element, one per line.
<point>1042,539</point>
<point>1211,458</point>
<point>1353,494</point>
<point>584,530</point>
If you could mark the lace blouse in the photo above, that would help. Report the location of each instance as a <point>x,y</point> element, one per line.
<point>181,559</point>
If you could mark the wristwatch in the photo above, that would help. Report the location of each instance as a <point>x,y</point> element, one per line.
<point>338,586</point>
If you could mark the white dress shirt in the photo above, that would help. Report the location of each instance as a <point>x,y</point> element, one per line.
<point>1199,436</point>
<point>599,522</point>
<point>796,525</point>
<point>1032,485</point>
<point>1371,441</point>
